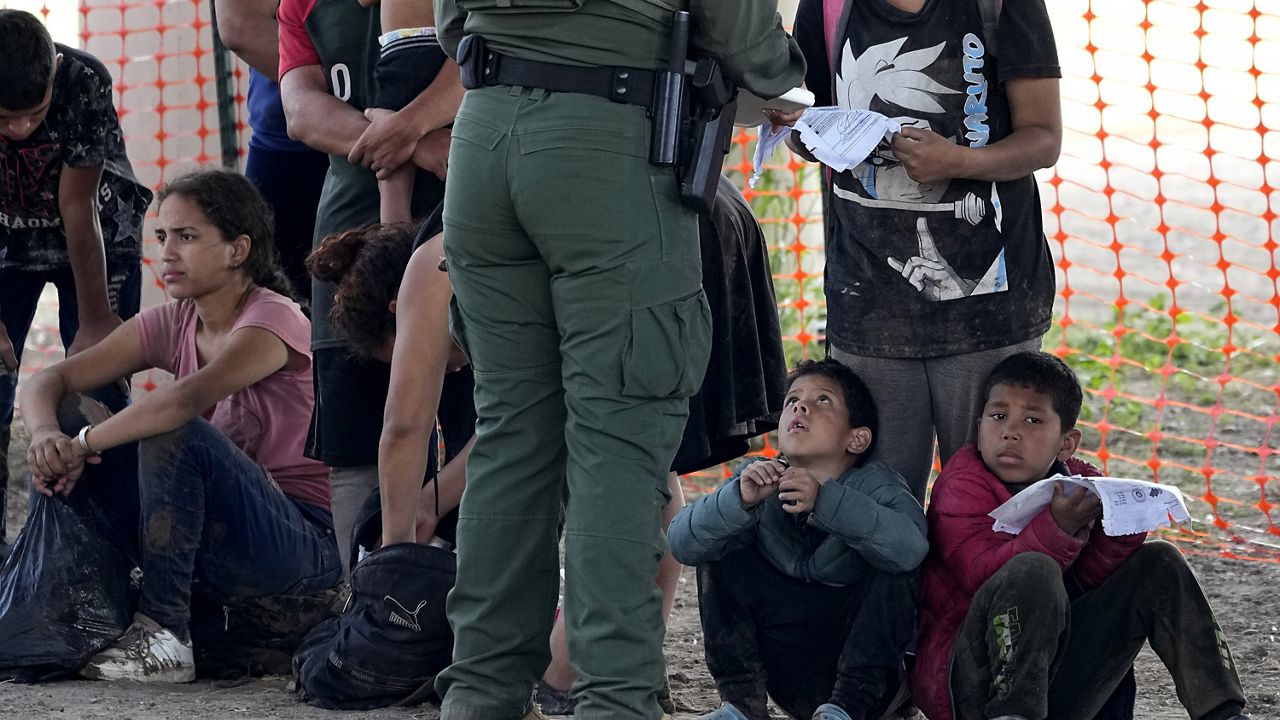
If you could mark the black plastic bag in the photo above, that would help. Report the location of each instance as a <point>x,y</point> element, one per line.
<point>64,594</point>
<point>391,640</point>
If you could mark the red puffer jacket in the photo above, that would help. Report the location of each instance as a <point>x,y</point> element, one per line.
<point>964,552</point>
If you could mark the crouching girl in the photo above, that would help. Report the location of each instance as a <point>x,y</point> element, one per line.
<point>202,479</point>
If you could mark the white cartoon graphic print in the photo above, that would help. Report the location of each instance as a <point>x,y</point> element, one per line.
<point>901,79</point>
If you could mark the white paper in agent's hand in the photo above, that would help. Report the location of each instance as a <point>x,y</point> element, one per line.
<point>1128,506</point>
<point>838,138</point>
<point>769,141</point>
<point>842,139</point>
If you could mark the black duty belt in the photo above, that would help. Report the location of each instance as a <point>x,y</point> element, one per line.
<point>482,67</point>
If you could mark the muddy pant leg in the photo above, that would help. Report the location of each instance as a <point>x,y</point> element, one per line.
<point>729,591</point>
<point>1011,640</point>
<point>106,496</point>
<point>503,603</point>
<point>1155,597</point>
<point>19,296</point>
<point>881,623</point>
<point>209,510</point>
<point>839,645</point>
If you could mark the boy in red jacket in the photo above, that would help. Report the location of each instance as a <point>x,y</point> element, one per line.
<point>1047,622</point>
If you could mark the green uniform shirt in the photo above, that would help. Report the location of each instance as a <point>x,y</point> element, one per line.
<point>745,35</point>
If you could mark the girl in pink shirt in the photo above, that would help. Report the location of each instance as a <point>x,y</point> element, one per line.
<point>203,478</point>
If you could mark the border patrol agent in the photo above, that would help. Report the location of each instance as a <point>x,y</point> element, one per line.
<point>578,298</point>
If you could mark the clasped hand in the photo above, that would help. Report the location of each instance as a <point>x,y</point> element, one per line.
<point>796,488</point>
<point>57,462</point>
<point>386,144</point>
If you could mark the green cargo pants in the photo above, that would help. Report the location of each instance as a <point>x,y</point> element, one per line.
<point>1025,649</point>
<point>578,298</point>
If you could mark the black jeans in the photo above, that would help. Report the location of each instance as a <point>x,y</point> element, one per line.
<point>803,643</point>
<point>19,297</point>
<point>1027,649</point>
<point>190,505</point>
<point>290,182</point>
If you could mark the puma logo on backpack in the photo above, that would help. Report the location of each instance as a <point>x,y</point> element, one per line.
<point>407,619</point>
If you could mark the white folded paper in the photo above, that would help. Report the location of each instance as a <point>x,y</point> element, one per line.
<point>1128,506</point>
<point>768,143</point>
<point>838,138</point>
<point>842,139</point>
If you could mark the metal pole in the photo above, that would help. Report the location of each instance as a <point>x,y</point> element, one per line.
<point>224,64</point>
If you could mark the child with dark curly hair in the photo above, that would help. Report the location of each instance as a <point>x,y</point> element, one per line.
<point>807,565</point>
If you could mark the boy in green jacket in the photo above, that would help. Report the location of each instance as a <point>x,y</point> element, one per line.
<point>807,567</point>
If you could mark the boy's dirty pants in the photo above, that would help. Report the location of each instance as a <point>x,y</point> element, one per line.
<point>1025,649</point>
<point>578,298</point>
<point>804,643</point>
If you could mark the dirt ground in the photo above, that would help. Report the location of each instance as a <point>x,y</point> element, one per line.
<point>1243,595</point>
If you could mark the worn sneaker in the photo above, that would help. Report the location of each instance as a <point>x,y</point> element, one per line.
<point>553,701</point>
<point>145,653</point>
<point>827,711</point>
<point>559,702</point>
<point>727,711</point>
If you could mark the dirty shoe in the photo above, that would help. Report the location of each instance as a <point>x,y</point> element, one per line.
<point>534,715</point>
<point>827,711</point>
<point>726,711</point>
<point>145,653</point>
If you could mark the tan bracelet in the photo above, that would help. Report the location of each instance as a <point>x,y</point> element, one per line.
<point>83,438</point>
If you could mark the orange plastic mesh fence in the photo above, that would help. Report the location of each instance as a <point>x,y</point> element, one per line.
<point>1161,214</point>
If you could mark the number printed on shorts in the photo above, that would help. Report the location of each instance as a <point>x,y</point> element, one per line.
<point>340,78</point>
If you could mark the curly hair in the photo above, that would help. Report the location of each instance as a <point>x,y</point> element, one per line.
<point>367,266</point>
<point>857,396</point>
<point>233,205</point>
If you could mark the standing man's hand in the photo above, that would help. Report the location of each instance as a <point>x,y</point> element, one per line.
<point>92,331</point>
<point>386,144</point>
<point>432,152</point>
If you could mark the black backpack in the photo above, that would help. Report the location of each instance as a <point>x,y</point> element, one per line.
<point>391,639</point>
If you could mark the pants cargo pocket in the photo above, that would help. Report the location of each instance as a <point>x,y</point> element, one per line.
<point>666,355</point>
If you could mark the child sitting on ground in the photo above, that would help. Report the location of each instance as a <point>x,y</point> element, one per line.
<point>807,567</point>
<point>1047,622</point>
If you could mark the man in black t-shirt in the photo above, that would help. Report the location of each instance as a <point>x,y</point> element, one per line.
<point>937,264</point>
<point>70,208</point>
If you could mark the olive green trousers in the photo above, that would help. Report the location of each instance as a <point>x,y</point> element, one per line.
<point>578,298</point>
